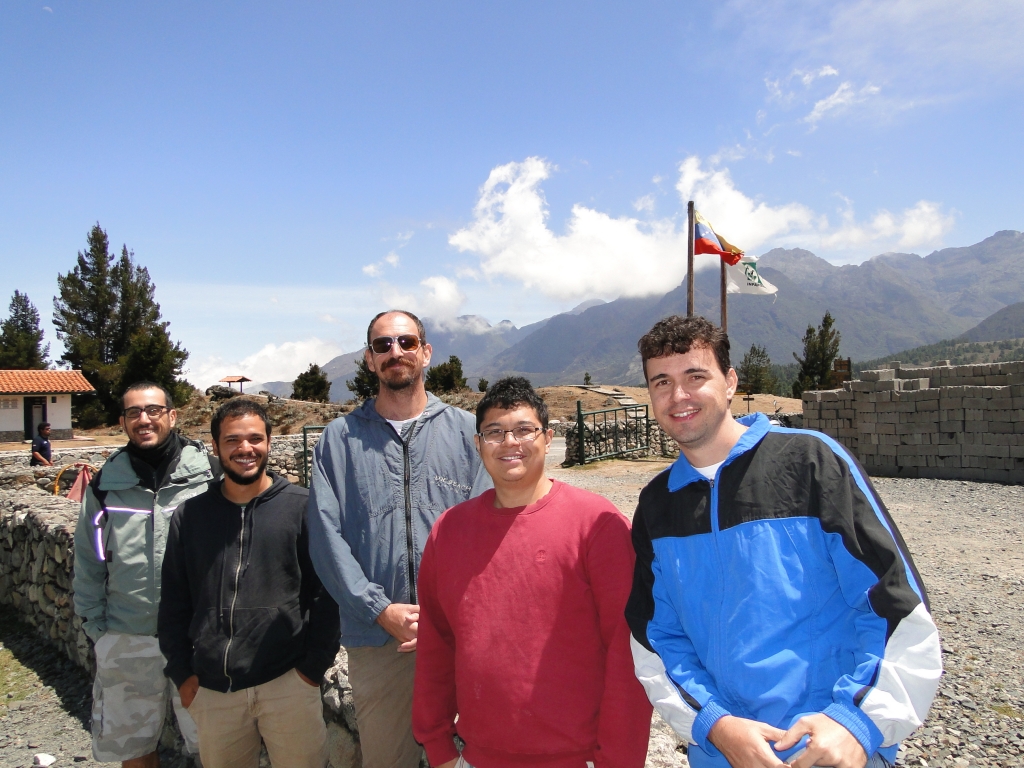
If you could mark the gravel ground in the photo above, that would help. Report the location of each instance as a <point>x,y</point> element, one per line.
<point>966,539</point>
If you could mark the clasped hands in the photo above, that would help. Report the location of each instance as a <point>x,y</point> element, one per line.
<point>402,622</point>
<point>745,743</point>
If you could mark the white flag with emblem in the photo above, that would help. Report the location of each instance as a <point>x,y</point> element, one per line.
<point>743,277</point>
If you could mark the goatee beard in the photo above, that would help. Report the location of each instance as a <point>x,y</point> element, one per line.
<point>247,479</point>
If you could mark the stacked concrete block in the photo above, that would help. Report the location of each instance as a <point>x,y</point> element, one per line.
<point>954,422</point>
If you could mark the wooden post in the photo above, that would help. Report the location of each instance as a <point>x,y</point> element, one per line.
<point>689,259</point>
<point>725,302</point>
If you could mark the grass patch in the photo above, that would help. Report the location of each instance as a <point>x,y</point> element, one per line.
<point>16,680</point>
<point>1006,710</point>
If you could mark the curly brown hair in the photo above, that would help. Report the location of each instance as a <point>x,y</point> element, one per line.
<point>677,335</point>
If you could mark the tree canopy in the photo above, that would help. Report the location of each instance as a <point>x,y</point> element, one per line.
<point>312,385</point>
<point>21,338</point>
<point>446,377</point>
<point>107,317</point>
<point>365,383</point>
<point>755,372</point>
<point>821,348</point>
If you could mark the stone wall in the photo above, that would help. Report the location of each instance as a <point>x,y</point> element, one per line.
<point>947,422</point>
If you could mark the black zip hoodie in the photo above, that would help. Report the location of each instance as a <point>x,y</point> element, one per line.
<point>241,603</point>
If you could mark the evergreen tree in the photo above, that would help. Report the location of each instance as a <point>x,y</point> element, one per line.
<point>108,318</point>
<point>755,372</point>
<point>482,385</point>
<point>446,377</point>
<point>21,338</point>
<point>586,378</point>
<point>365,384</point>
<point>821,348</point>
<point>312,385</point>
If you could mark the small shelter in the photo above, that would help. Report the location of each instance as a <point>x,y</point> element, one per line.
<point>229,380</point>
<point>28,398</point>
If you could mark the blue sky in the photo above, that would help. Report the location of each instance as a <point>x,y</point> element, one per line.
<point>285,170</point>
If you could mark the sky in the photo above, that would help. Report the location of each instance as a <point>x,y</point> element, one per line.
<point>287,170</point>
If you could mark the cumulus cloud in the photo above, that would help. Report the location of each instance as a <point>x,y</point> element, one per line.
<point>440,300</point>
<point>274,362</point>
<point>924,224</point>
<point>842,98</point>
<point>598,254</point>
<point>644,204</point>
<point>377,269</point>
<point>603,255</point>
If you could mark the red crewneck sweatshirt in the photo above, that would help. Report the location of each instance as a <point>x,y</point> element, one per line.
<point>522,635</point>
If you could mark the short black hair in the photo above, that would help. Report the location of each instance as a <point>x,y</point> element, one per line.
<point>419,324</point>
<point>235,408</point>
<point>509,393</point>
<point>42,425</point>
<point>677,335</point>
<point>138,386</point>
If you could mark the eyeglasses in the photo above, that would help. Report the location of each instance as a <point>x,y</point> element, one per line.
<point>153,411</point>
<point>382,344</point>
<point>519,434</point>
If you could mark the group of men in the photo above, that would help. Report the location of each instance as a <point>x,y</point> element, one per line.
<point>762,600</point>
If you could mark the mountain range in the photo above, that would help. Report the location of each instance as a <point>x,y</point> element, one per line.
<point>890,303</point>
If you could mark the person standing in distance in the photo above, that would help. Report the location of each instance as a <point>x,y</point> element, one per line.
<point>381,476</point>
<point>42,455</point>
<point>247,629</point>
<point>777,616</point>
<point>119,550</point>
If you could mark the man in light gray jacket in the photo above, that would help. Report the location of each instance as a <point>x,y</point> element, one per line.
<point>381,476</point>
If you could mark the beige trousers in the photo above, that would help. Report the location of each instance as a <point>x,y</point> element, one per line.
<point>287,713</point>
<point>381,680</point>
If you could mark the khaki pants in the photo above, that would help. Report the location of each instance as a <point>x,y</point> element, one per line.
<point>286,712</point>
<point>381,680</point>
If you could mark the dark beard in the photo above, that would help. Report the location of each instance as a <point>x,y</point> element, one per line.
<point>242,479</point>
<point>399,384</point>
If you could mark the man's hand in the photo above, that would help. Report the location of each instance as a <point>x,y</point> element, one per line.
<point>745,742</point>
<point>829,743</point>
<point>188,690</point>
<point>402,622</point>
<point>306,680</point>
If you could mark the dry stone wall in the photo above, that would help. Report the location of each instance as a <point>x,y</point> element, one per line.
<point>947,422</point>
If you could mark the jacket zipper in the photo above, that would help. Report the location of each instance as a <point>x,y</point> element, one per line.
<point>408,517</point>
<point>234,598</point>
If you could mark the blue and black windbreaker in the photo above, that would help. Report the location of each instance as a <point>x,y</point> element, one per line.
<point>780,589</point>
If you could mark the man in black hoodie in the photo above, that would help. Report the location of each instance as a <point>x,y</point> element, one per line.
<point>246,627</point>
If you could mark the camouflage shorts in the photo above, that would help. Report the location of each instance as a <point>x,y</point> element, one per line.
<point>129,699</point>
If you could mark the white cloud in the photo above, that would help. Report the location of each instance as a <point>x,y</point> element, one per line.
<point>644,204</point>
<point>372,270</point>
<point>794,152</point>
<point>392,259</point>
<point>598,254</point>
<point>377,269</point>
<point>809,77</point>
<point>440,300</point>
<point>924,224</point>
<point>274,362</point>
<point>743,221</point>
<point>844,97</point>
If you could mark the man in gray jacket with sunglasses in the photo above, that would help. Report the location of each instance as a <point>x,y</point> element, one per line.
<point>381,476</point>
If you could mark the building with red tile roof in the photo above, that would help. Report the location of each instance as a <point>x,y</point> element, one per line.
<point>28,398</point>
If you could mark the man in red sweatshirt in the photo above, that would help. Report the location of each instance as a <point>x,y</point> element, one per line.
<point>521,629</point>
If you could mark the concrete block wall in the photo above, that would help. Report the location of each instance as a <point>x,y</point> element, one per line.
<point>948,422</point>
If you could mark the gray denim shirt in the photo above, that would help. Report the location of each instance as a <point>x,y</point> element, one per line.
<point>373,498</point>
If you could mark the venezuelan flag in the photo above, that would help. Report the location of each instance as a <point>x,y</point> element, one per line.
<point>706,240</point>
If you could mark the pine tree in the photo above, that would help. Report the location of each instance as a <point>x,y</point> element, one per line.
<point>755,372</point>
<point>21,338</point>
<point>109,320</point>
<point>821,348</point>
<point>482,385</point>
<point>446,377</point>
<point>365,383</point>
<point>312,385</point>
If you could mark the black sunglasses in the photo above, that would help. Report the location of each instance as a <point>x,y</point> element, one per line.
<point>382,344</point>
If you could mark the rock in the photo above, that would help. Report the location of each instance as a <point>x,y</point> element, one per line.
<point>43,759</point>
<point>343,750</point>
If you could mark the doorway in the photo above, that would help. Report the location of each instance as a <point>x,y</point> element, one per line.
<point>35,414</point>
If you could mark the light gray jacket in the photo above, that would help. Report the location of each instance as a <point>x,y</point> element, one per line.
<point>373,498</point>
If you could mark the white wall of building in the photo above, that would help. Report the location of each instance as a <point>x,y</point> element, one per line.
<point>59,413</point>
<point>12,419</point>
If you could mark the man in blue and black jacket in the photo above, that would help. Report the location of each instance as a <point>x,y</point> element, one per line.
<point>776,613</point>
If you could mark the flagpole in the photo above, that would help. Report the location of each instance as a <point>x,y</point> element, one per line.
<point>689,259</point>
<point>725,304</point>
